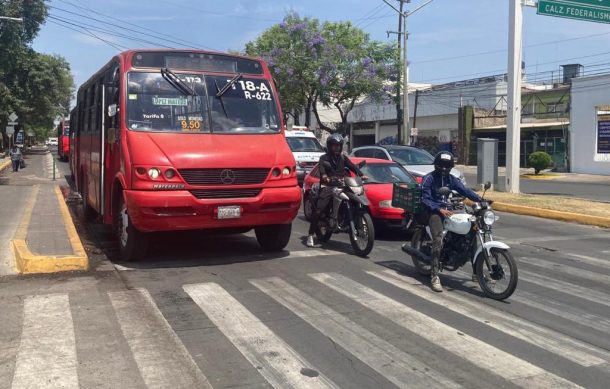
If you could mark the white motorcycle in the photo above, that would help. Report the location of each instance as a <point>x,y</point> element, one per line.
<point>468,236</point>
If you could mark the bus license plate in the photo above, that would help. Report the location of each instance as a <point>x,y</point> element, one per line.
<point>233,212</point>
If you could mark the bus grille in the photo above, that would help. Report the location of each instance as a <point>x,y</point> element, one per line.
<point>224,176</point>
<point>225,193</point>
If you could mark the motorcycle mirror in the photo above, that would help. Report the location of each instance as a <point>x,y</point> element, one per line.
<point>361,164</point>
<point>487,185</point>
<point>444,191</point>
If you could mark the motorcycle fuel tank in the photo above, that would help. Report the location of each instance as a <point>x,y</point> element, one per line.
<point>458,223</point>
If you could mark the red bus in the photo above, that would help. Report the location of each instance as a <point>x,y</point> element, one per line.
<point>184,140</point>
<point>72,155</point>
<point>63,140</point>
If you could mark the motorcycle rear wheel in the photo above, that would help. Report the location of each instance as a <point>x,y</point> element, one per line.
<point>488,280</point>
<point>416,242</point>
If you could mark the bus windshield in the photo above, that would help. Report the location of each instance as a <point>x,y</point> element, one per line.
<point>247,106</point>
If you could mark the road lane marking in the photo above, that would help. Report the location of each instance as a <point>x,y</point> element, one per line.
<point>566,269</point>
<point>578,316</point>
<point>558,343</point>
<point>551,238</point>
<point>398,367</point>
<point>47,352</point>
<point>274,359</point>
<point>161,357</point>
<point>567,287</point>
<point>590,260</point>
<point>481,354</point>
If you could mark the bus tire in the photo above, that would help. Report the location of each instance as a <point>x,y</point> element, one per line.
<point>133,244</point>
<point>274,237</point>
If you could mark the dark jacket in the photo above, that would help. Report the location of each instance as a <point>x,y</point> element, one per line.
<point>336,167</point>
<point>432,200</point>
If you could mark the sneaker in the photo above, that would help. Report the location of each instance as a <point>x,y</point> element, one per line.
<point>311,241</point>
<point>435,284</point>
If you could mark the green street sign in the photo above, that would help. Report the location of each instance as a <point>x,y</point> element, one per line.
<point>588,10</point>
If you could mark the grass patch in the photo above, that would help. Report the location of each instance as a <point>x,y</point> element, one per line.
<point>555,203</point>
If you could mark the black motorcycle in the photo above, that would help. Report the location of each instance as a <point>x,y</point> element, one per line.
<point>348,212</point>
<point>467,236</point>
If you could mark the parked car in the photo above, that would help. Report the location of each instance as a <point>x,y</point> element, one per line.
<point>418,162</point>
<point>305,148</point>
<point>382,174</point>
<point>52,142</point>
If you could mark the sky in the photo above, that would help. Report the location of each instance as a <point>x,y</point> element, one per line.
<point>449,40</point>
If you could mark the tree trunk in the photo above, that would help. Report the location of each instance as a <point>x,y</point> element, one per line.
<point>308,113</point>
<point>317,114</point>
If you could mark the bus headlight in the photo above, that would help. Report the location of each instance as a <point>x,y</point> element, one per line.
<point>154,173</point>
<point>286,172</point>
<point>489,218</point>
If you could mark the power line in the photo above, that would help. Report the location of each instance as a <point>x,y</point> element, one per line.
<point>89,33</point>
<point>368,14</point>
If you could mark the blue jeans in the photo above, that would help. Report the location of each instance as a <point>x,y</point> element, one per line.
<point>16,166</point>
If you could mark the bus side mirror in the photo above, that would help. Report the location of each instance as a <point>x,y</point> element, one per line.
<point>112,110</point>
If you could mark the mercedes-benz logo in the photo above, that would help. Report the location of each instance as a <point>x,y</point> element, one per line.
<point>227,176</point>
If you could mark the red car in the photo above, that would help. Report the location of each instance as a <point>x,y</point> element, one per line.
<point>382,174</point>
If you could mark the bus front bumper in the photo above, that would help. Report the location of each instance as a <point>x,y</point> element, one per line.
<point>180,210</point>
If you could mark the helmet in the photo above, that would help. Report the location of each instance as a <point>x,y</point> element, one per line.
<point>443,162</point>
<point>334,139</point>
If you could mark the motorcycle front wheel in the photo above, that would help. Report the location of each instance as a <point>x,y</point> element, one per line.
<point>364,237</point>
<point>498,280</point>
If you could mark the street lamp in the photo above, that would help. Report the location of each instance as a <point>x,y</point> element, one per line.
<point>11,18</point>
<point>405,35</point>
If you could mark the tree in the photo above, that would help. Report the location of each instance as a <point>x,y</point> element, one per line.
<point>352,66</point>
<point>292,49</point>
<point>540,160</point>
<point>38,87</point>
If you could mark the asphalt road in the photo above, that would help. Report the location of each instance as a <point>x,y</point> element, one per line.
<point>593,191</point>
<point>206,309</point>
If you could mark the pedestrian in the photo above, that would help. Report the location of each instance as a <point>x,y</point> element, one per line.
<point>16,157</point>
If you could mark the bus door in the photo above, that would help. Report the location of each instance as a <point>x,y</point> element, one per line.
<point>111,137</point>
<point>95,146</point>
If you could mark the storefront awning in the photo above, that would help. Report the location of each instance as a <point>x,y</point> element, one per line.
<point>524,126</point>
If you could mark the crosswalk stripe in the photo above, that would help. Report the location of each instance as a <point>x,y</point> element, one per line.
<point>562,310</point>
<point>590,260</point>
<point>571,270</point>
<point>161,357</point>
<point>276,361</point>
<point>47,352</point>
<point>567,287</point>
<point>565,346</point>
<point>398,367</point>
<point>486,356</point>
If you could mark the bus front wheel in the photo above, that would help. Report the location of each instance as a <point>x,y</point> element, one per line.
<point>274,237</point>
<point>133,244</point>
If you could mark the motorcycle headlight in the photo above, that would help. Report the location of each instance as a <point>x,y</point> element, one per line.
<point>489,218</point>
<point>385,204</point>
<point>358,190</point>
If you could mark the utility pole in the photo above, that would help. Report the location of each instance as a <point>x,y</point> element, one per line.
<point>406,138</point>
<point>513,119</point>
<point>399,113</point>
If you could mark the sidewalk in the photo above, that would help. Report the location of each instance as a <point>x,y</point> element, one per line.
<point>37,224</point>
<point>557,177</point>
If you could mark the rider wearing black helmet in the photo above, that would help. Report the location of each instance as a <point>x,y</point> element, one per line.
<point>333,165</point>
<point>434,206</point>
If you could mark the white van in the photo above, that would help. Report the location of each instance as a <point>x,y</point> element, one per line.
<point>306,150</point>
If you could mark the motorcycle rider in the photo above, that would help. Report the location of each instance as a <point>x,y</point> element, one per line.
<point>332,167</point>
<point>435,207</point>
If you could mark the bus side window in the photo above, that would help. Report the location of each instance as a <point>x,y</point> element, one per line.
<point>111,110</point>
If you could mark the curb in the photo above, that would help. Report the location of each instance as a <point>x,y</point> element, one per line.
<point>551,214</point>
<point>29,263</point>
<point>542,177</point>
<point>4,165</point>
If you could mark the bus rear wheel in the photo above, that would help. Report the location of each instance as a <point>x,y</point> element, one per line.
<point>274,237</point>
<point>133,244</point>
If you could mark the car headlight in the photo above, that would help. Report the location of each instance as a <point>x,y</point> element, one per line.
<point>154,173</point>
<point>489,218</point>
<point>358,190</point>
<point>385,204</point>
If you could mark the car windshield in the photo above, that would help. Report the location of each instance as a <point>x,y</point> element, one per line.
<point>411,156</point>
<point>246,107</point>
<point>383,173</point>
<point>300,144</point>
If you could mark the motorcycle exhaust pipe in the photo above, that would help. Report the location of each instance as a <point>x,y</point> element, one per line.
<point>416,253</point>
